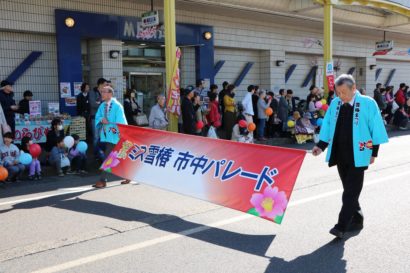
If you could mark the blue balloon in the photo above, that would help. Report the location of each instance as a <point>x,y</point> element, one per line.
<point>82,147</point>
<point>319,122</point>
<point>25,158</point>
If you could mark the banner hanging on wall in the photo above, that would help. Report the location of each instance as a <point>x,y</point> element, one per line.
<point>251,178</point>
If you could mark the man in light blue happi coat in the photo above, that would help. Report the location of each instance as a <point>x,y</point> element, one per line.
<point>353,130</point>
<point>109,113</point>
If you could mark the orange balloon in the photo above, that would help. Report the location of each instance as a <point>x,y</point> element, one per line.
<point>3,173</point>
<point>251,127</point>
<point>269,111</point>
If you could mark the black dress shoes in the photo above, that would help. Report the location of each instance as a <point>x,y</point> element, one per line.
<point>338,233</point>
<point>355,227</point>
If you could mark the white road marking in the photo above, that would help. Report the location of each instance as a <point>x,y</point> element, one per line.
<point>63,191</point>
<point>166,238</point>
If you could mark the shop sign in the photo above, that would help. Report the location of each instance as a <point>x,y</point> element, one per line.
<point>384,45</point>
<point>135,30</point>
<point>150,19</point>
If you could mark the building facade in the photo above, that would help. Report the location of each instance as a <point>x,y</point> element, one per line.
<point>248,46</point>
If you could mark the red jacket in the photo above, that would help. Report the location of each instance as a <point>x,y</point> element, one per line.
<point>400,97</point>
<point>214,116</point>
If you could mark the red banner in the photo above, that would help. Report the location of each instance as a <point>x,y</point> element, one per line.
<point>251,178</point>
<point>331,82</point>
<point>174,92</point>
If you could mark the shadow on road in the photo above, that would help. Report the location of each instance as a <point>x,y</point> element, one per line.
<point>328,258</point>
<point>49,183</point>
<point>252,244</point>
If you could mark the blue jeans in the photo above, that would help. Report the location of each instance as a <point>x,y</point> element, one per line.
<point>261,127</point>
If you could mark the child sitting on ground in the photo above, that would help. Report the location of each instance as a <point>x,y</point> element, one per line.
<point>59,158</point>
<point>240,132</point>
<point>35,167</point>
<point>78,160</point>
<point>9,158</point>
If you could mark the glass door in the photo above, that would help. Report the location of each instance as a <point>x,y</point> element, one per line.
<point>148,87</point>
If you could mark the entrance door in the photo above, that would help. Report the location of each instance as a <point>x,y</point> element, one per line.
<point>150,85</point>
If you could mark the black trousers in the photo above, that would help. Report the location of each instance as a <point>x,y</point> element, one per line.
<point>79,163</point>
<point>352,180</point>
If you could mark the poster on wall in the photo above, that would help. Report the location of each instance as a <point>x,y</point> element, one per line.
<point>77,88</point>
<point>71,101</point>
<point>65,90</point>
<point>35,108</point>
<point>54,108</point>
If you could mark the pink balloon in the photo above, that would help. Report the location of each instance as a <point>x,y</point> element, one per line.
<point>319,104</point>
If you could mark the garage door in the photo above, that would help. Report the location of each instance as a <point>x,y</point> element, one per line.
<point>304,64</point>
<point>235,61</point>
<point>401,74</point>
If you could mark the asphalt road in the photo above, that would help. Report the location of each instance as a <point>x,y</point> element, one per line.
<point>66,226</point>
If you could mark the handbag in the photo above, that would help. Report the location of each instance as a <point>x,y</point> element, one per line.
<point>141,120</point>
<point>316,138</point>
<point>65,162</point>
<point>212,132</point>
<point>395,106</point>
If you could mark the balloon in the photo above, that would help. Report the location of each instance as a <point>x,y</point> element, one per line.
<point>318,104</point>
<point>269,111</point>
<point>319,122</point>
<point>323,101</point>
<point>325,107</point>
<point>199,125</point>
<point>322,113</point>
<point>242,123</point>
<point>69,141</point>
<point>82,147</point>
<point>25,158</point>
<point>35,150</point>
<point>251,127</point>
<point>291,123</point>
<point>3,173</point>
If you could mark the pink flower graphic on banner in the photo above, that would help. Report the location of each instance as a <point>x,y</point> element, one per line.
<point>270,203</point>
<point>111,161</point>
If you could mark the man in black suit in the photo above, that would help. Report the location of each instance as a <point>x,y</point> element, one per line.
<point>188,112</point>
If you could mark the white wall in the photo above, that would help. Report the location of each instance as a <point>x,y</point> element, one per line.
<point>235,61</point>
<point>41,77</point>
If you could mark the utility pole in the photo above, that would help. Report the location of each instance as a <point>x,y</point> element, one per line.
<point>170,54</point>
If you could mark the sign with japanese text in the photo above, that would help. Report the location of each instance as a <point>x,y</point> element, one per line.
<point>174,91</point>
<point>37,131</point>
<point>329,68</point>
<point>330,76</point>
<point>219,171</point>
<point>384,45</point>
<point>34,107</point>
<point>150,19</point>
